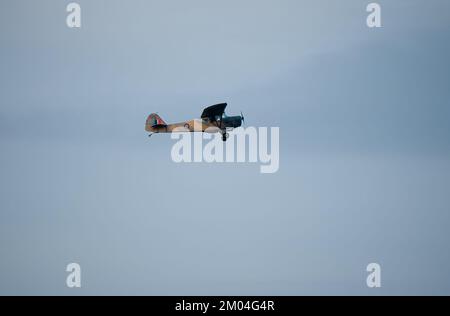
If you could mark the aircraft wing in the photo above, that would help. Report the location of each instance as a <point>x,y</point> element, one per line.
<point>214,110</point>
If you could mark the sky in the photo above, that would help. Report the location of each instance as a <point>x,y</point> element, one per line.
<point>364,171</point>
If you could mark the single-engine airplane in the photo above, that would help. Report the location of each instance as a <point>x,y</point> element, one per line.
<point>212,120</point>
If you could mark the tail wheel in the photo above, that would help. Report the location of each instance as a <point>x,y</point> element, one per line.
<point>186,126</point>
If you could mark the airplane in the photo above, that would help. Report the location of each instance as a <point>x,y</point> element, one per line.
<point>212,120</point>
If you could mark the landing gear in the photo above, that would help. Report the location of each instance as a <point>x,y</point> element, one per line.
<point>225,136</point>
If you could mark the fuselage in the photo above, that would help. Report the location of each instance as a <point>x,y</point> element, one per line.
<point>197,125</point>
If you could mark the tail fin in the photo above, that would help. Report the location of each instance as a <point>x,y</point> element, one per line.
<point>154,121</point>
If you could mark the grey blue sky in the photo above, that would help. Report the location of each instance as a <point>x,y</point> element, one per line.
<point>364,137</point>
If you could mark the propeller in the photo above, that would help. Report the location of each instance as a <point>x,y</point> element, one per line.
<point>242,118</point>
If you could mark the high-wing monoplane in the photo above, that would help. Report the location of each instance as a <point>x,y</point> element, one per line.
<point>212,120</point>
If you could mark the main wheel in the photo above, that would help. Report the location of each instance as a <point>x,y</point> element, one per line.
<point>225,136</point>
